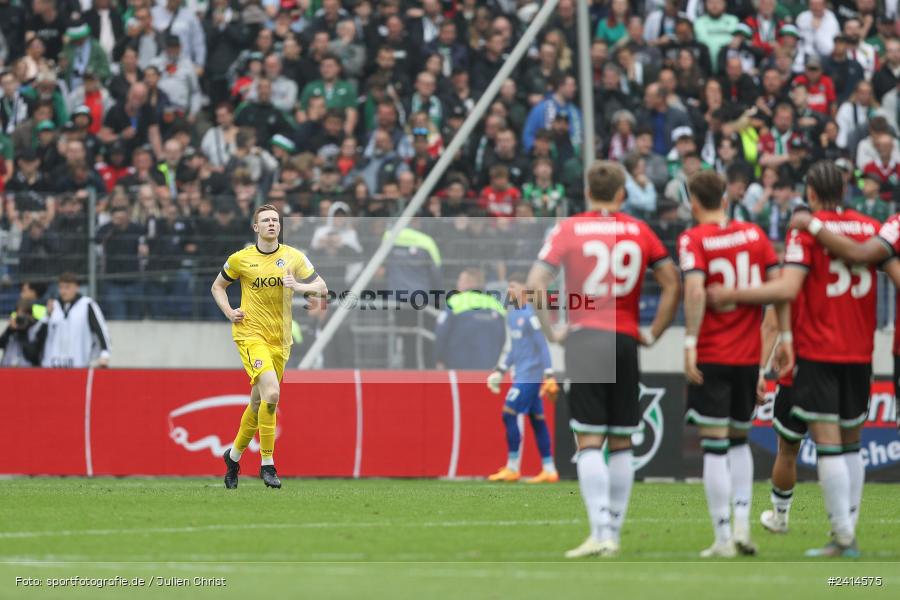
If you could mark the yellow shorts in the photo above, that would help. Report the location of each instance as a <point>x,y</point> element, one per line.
<point>259,357</point>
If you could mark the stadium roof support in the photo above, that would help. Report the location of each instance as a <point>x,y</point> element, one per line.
<point>481,107</point>
<point>586,84</point>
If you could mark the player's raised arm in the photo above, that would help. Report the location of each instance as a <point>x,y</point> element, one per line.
<point>873,250</point>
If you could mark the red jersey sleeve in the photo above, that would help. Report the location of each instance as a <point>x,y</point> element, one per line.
<point>690,254</point>
<point>553,251</point>
<point>889,234</point>
<point>798,250</point>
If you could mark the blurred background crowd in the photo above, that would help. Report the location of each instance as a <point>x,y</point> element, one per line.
<point>174,120</point>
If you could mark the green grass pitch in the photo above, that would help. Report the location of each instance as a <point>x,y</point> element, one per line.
<point>411,539</point>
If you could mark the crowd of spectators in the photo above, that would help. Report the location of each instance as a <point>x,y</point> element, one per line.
<point>181,116</point>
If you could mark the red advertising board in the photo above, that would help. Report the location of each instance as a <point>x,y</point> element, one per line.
<point>179,422</point>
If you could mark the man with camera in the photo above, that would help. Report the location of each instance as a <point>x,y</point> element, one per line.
<point>18,341</point>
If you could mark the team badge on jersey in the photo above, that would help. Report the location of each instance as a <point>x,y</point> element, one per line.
<point>258,363</point>
<point>279,263</point>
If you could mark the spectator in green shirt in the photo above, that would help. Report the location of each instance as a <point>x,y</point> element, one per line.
<point>338,93</point>
<point>715,29</point>
<point>544,196</point>
<point>871,203</point>
<point>612,28</point>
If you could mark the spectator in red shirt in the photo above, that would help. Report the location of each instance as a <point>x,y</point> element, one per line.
<point>884,166</point>
<point>765,26</point>
<point>820,87</point>
<point>500,198</point>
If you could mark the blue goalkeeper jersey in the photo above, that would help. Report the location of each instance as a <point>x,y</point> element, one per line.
<point>527,353</point>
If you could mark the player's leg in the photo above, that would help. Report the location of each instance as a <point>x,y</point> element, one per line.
<point>249,422</point>
<point>589,402</point>
<point>542,438</point>
<point>790,431</point>
<point>624,422</point>
<point>740,459</point>
<point>817,392</point>
<point>548,472</point>
<point>510,471</point>
<point>249,425</point>
<point>855,397</point>
<point>708,408</point>
<point>593,480</point>
<point>269,391</point>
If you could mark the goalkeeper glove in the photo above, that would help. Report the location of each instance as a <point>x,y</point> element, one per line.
<point>549,389</point>
<point>493,381</point>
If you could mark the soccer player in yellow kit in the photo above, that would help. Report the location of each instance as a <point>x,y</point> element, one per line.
<point>270,273</point>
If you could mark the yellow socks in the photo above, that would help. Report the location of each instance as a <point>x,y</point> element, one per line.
<point>267,432</point>
<point>245,433</point>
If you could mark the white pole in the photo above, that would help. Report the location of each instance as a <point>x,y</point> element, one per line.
<point>431,180</point>
<point>586,84</point>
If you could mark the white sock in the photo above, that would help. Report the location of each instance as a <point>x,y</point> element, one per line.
<point>717,483</point>
<point>740,467</point>
<point>593,478</point>
<point>781,502</point>
<point>834,478</point>
<point>267,461</point>
<point>857,478</point>
<point>547,464</point>
<point>621,477</point>
<point>512,461</point>
<point>235,454</point>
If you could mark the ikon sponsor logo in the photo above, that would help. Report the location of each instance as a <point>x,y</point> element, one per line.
<point>267,282</point>
<point>210,424</point>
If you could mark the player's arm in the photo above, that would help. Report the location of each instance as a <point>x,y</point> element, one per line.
<point>549,387</point>
<point>892,268</point>
<point>539,279</point>
<point>506,356</point>
<point>314,286</point>
<point>872,250</point>
<point>666,275</point>
<point>304,279</point>
<point>780,289</point>
<point>220,295</point>
<point>694,308</point>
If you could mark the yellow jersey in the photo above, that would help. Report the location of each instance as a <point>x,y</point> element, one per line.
<point>264,299</point>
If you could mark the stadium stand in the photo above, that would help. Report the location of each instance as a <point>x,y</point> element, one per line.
<point>171,121</point>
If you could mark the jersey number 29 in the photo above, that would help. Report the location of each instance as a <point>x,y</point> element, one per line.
<point>625,260</point>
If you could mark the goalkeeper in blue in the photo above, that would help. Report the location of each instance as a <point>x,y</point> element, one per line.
<point>528,356</point>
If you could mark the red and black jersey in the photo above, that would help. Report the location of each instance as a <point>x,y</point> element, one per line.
<point>735,255</point>
<point>605,256</point>
<point>500,203</point>
<point>836,307</point>
<point>889,234</point>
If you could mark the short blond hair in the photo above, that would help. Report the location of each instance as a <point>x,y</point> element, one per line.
<point>605,179</point>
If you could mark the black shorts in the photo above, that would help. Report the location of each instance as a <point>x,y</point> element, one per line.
<point>786,425</point>
<point>727,397</point>
<point>598,407</point>
<point>832,392</point>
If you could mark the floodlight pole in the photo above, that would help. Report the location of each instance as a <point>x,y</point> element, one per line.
<point>431,180</point>
<point>586,84</point>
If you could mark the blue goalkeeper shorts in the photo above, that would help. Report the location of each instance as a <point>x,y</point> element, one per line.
<point>524,399</point>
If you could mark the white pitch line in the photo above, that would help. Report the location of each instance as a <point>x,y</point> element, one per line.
<point>324,525</point>
<point>341,525</point>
